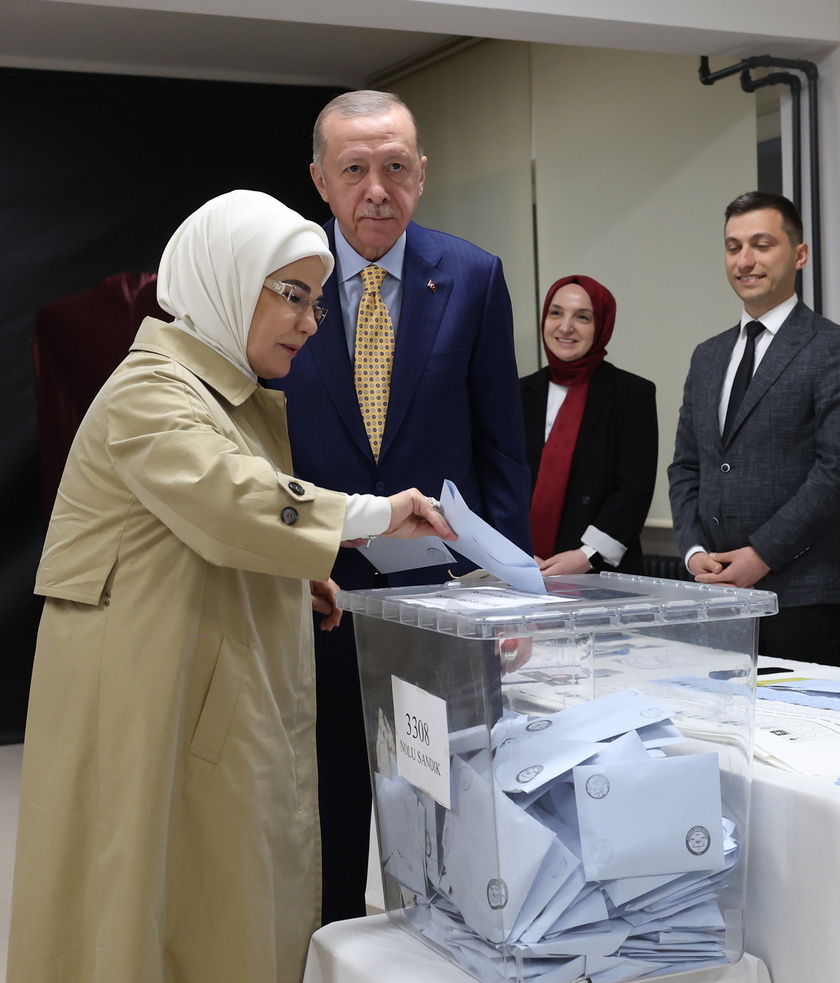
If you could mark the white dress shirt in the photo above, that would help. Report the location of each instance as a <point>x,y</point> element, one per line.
<point>348,267</point>
<point>772,321</point>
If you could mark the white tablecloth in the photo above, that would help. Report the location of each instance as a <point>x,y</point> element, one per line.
<point>793,876</point>
<point>372,950</point>
<point>793,870</point>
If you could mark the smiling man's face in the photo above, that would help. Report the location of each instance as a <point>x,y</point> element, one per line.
<point>761,260</point>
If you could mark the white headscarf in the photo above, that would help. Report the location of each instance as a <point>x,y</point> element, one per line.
<point>213,267</point>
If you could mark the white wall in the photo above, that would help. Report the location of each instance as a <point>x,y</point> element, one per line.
<point>634,162</point>
<point>829,94</point>
<point>474,112</point>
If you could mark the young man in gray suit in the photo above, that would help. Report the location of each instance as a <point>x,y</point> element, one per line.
<point>755,481</point>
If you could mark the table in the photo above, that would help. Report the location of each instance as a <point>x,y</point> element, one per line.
<point>793,888</point>
<point>793,876</point>
<point>793,869</point>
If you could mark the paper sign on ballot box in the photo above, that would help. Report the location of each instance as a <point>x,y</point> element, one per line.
<point>422,736</point>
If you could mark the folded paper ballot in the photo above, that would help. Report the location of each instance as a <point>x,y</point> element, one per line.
<point>575,850</point>
<point>392,555</point>
<point>487,547</point>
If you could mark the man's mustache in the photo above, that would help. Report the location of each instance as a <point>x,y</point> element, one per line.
<point>377,211</point>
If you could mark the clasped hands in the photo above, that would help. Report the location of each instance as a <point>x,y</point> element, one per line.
<point>736,568</point>
<point>412,515</point>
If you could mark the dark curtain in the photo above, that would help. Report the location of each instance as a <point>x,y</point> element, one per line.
<point>96,172</point>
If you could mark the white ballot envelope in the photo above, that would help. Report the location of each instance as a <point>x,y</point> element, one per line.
<point>526,763</point>
<point>558,866</point>
<point>402,824</point>
<point>487,547</point>
<point>600,938</point>
<point>597,720</point>
<point>490,885</point>
<point>392,555</point>
<point>661,816</point>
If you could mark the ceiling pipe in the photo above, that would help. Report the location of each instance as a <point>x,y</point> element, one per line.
<point>748,84</point>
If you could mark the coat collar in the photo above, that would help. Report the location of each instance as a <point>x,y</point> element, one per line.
<point>214,369</point>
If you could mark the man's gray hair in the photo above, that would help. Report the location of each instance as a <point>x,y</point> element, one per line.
<point>363,102</point>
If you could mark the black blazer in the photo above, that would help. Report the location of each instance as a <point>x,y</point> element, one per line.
<point>614,464</point>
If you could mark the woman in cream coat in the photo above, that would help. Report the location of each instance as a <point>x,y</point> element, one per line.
<point>168,826</point>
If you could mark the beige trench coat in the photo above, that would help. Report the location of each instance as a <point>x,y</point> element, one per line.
<point>168,826</point>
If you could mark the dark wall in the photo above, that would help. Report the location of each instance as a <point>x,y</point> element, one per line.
<point>96,172</point>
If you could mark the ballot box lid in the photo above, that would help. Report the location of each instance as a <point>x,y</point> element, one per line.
<point>487,608</point>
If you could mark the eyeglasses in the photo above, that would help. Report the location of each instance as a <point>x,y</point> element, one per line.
<point>300,305</point>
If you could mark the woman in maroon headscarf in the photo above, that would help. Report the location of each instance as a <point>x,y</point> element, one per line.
<point>590,439</point>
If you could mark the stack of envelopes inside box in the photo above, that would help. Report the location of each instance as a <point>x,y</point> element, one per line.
<point>604,857</point>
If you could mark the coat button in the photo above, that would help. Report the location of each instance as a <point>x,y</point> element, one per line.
<point>585,500</point>
<point>380,486</point>
<point>725,468</point>
<point>716,520</point>
<point>289,515</point>
<point>296,487</point>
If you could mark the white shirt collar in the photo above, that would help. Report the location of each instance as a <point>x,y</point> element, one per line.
<point>774,318</point>
<point>350,263</point>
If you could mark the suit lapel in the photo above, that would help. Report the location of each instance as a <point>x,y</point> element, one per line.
<point>601,387</point>
<point>425,295</point>
<point>332,359</point>
<point>791,337</point>
<point>710,372</point>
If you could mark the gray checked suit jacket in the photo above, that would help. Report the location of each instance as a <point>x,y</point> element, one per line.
<point>775,485</point>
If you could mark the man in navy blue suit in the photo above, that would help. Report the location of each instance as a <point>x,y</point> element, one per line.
<point>453,412</point>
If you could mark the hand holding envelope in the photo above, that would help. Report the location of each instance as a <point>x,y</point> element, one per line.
<point>487,547</point>
<point>477,541</point>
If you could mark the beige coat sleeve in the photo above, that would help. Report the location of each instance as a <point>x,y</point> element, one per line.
<point>207,471</point>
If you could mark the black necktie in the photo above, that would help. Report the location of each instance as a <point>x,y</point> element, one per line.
<point>742,376</point>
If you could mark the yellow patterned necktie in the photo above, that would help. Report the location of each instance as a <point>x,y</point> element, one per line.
<point>374,356</point>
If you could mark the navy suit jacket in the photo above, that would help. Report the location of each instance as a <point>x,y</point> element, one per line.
<point>775,484</point>
<point>613,472</point>
<point>454,408</point>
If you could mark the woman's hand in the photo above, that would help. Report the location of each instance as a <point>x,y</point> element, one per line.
<point>514,653</point>
<point>412,514</point>
<point>323,601</point>
<point>572,561</point>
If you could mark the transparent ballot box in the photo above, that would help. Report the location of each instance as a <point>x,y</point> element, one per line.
<point>561,782</point>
